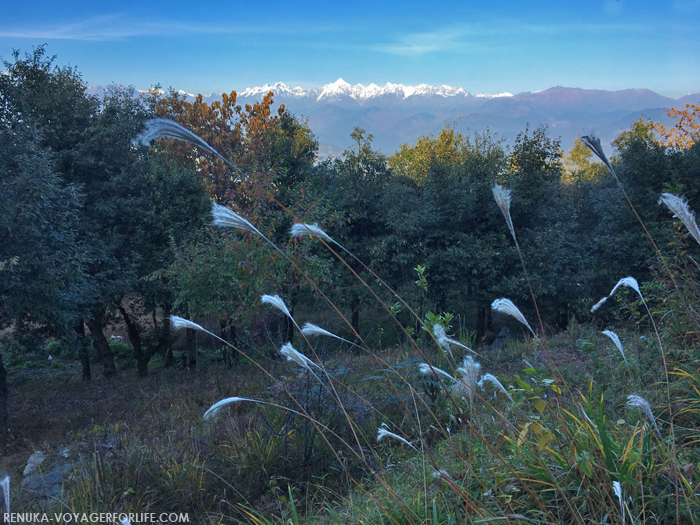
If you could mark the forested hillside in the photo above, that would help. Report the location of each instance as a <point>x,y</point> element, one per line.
<point>102,236</point>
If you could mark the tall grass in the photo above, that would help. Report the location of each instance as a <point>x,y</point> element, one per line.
<point>545,452</point>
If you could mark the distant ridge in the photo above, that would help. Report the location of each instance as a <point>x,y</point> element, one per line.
<point>396,114</point>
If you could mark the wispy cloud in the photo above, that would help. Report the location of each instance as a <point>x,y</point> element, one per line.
<point>122,26</point>
<point>422,43</point>
<point>493,36</point>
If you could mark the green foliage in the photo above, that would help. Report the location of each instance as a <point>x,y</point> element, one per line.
<point>578,165</point>
<point>552,450</point>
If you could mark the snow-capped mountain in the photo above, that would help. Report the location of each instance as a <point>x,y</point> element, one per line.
<point>340,89</point>
<point>396,114</point>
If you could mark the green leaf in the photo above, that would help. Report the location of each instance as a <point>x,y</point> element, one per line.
<point>540,405</point>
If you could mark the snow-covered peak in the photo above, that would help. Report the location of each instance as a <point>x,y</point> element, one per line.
<point>341,89</point>
<point>361,93</point>
<point>280,88</point>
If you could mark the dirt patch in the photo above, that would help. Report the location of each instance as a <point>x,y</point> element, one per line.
<point>48,407</point>
<point>565,358</point>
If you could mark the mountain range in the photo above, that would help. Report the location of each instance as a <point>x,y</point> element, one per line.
<point>396,114</point>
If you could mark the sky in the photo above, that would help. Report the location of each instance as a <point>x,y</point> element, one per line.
<point>481,46</point>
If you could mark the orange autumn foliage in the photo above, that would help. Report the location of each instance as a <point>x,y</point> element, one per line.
<point>238,133</point>
<point>686,130</point>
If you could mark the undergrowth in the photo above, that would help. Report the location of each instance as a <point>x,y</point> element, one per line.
<point>565,429</point>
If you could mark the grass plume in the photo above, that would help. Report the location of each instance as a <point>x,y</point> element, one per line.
<point>615,339</point>
<point>300,359</point>
<point>506,306</point>
<point>502,197</point>
<point>679,206</point>
<point>310,230</point>
<point>383,433</point>
<point>216,407</point>
<point>445,342</point>
<point>641,404</point>
<point>490,378</point>
<point>278,302</point>
<point>630,282</point>
<point>227,218</point>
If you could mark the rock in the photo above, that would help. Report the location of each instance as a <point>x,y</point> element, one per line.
<point>47,485</point>
<point>502,338</point>
<point>33,462</point>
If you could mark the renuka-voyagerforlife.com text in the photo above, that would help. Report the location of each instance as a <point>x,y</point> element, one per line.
<point>96,517</point>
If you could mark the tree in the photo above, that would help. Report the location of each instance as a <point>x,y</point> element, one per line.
<point>129,209</point>
<point>415,161</point>
<point>578,165</point>
<point>355,187</point>
<point>39,252</point>
<point>274,156</point>
<point>685,132</point>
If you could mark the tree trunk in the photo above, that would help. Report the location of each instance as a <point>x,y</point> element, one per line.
<point>288,328</point>
<point>84,351</point>
<point>135,337</point>
<point>3,404</point>
<point>223,325</point>
<point>142,366</point>
<point>169,358</point>
<point>355,317</point>
<point>165,340</point>
<point>233,339</point>
<point>480,323</point>
<point>191,337</point>
<point>102,347</point>
<point>230,334</point>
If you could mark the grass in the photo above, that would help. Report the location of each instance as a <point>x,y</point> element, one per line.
<point>142,446</point>
<point>365,437</point>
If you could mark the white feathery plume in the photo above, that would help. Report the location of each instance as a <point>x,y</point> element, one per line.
<point>383,432</point>
<point>277,302</point>
<point>439,333</point>
<point>309,230</point>
<point>441,475</point>
<point>630,282</point>
<point>227,218</point>
<point>310,329</point>
<point>615,339</point>
<point>441,338</point>
<point>593,143</point>
<point>470,374</point>
<point>427,369</point>
<point>506,306</point>
<point>216,407</point>
<point>679,206</point>
<point>291,354</point>
<point>5,484</point>
<point>617,489</point>
<point>599,304</point>
<point>495,382</point>
<point>502,196</point>
<point>180,322</point>
<point>163,128</point>
<point>445,342</point>
<point>638,402</point>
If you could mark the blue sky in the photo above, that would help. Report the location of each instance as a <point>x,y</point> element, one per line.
<point>484,47</point>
